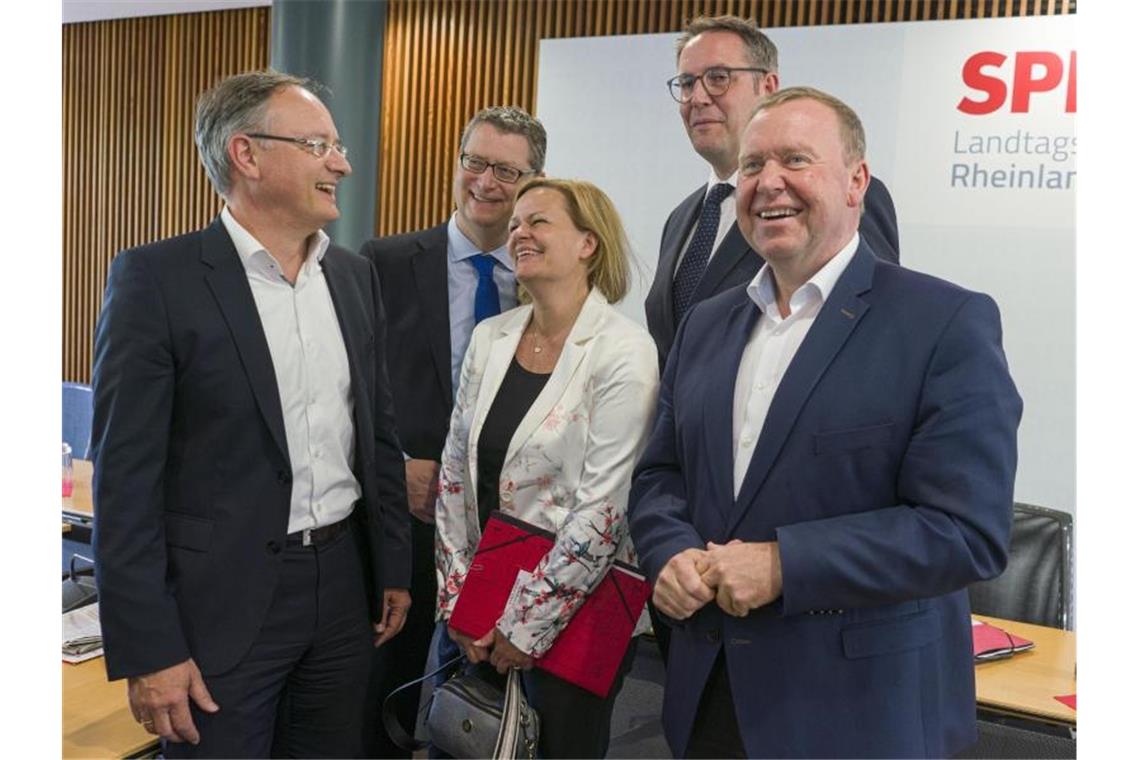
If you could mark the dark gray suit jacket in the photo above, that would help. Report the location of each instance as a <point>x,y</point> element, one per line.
<point>192,473</point>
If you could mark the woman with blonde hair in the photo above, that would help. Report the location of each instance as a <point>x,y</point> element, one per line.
<point>553,408</point>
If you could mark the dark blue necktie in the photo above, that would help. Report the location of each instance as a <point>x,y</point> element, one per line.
<point>699,250</point>
<point>486,293</point>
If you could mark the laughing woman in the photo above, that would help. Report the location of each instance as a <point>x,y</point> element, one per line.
<point>553,408</point>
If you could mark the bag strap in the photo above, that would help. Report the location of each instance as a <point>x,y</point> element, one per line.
<point>392,725</point>
<point>509,727</point>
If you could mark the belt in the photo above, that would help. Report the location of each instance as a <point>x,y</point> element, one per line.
<point>317,536</point>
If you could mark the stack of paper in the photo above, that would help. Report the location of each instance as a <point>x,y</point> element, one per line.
<point>82,637</point>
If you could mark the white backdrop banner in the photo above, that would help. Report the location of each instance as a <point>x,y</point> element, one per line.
<point>971,125</point>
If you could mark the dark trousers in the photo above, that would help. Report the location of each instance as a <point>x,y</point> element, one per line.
<point>715,731</point>
<point>402,659</point>
<point>297,692</point>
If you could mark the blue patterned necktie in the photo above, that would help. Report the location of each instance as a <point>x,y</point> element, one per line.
<point>699,250</point>
<point>486,292</point>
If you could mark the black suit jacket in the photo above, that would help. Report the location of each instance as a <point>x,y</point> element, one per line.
<point>412,270</point>
<point>735,262</point>
<point>192,473</point>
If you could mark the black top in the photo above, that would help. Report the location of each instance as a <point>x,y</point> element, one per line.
<point>519,390</point>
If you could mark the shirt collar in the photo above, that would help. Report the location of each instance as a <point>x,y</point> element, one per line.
<point>459,247</point>
<point>762,288</point>
<point>248,246</point>
<point>714,181</point>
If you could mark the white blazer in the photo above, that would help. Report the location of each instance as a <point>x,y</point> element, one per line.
<point>567,468</point>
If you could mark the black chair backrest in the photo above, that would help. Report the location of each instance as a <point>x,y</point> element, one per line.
<point>1036,585</point>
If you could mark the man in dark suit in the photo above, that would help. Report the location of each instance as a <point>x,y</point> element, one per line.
<point>436,284</point>
<point>725,67</point>
<point>249,487</point>
<point>831,464</point>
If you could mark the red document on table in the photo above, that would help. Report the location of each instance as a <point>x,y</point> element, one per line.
<point>589,650</point>
<point>993,643</point>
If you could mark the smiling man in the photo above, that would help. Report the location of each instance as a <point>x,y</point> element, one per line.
<point>831,464</point>
<point>249,487</point>
<point>437,284</point>
<point>725,67</point>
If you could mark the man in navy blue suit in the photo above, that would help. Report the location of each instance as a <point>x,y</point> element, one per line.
<point>249,485</point>
<point>831,464</point>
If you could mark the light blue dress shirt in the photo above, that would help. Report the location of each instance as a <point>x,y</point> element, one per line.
<point>462,281</point>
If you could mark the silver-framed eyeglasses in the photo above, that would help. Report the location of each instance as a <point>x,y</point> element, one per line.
<point>503,172</point>
<point>319,148</point>
<point>716,81</point>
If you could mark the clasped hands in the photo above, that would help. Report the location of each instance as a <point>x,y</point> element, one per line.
<point>492,647</point>
<point>739,576</point>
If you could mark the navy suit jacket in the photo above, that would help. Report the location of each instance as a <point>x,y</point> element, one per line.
<point>192,473</point>
<point>412,270</point>
<point>885,471</point>
<point>735,263</point>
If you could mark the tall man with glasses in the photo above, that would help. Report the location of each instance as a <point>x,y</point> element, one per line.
<point>725,67</point>
<point>437,284</point>
<point>249,487</point>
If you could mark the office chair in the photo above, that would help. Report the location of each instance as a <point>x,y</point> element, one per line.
<point>77,412</point>
<point>1036,586</point>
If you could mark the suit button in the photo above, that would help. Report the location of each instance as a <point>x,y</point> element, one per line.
<point>284,478</point>
<point>712,637</point>
<point>273,548</point>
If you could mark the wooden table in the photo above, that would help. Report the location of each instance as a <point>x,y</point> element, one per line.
<point>97,722</point>
<point>1025,685</point>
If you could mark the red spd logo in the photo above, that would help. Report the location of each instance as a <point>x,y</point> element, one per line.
<point>1034,72</point>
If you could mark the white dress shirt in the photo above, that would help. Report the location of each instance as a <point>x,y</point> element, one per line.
<point>311,367</point>
<point>770,349</point>
<point>727,217</point>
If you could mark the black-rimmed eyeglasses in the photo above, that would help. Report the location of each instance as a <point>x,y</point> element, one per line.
<point>716,81</point>
<point>319,148</point>
<point>503,172</point>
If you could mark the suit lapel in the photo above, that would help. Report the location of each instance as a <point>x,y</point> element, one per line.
<point>499,355</point>
<point>719,404</point>
<point>574,350</point>
<point>675,237</point>
<point>837,319</point>
<point>732,249</point>
<point>429,270</point>
<point>348,313</point>
<point>226,279</point>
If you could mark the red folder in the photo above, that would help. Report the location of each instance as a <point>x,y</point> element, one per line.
<point>589,650</point>
<point>993,643</point>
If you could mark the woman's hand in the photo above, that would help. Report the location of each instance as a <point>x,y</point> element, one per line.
<point>504,654</point>
<point>475,651</point>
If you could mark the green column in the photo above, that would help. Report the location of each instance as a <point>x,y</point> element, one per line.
<point>340,43</point>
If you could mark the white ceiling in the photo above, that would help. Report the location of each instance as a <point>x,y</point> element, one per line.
<point>98,10</point>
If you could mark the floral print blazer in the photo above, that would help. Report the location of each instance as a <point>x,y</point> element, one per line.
<point>567,468</point>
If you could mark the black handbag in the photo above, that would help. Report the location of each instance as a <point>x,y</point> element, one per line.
<point>471,718</point>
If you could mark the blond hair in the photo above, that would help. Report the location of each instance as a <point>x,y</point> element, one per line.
<point>591,210</point>
<point>850,127</point>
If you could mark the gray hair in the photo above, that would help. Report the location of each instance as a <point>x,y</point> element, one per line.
<point>761,50</point>
<point>512,121</point>
<point>234,105</point>
<point>850,127</point>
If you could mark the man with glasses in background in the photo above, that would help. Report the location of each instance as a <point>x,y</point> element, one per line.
<point>437,284</point>
<point>249,486</point>
<point>725,67</point>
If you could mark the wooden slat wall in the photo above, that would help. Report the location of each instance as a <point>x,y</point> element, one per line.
<point>446,59</point>
<point>130,171</point>
<point>131,174</point>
